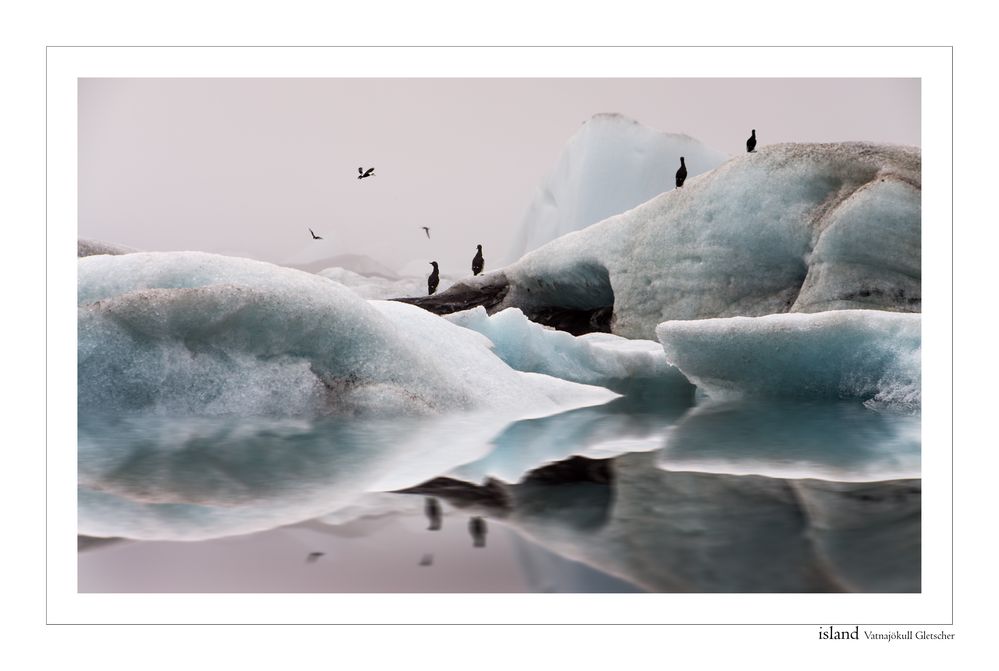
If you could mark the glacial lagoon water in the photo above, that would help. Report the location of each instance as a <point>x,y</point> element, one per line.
<point>639,494</point>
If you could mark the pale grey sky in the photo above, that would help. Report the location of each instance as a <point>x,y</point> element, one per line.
<point>248,165</point>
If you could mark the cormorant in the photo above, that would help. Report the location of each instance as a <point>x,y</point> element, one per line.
<point>681,174</point>
<point>362,173</point>
<point>478,262</point>
<point>426,230</point>
<point>314,236</point>
<point>477,527</point>
<point>751,142</point>
<point>434,279</point>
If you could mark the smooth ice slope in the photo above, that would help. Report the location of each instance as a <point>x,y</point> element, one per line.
<point>791,228</point>
<point>864,354</point>
<point>194,333</point>
<point>610,165</point>
<point>596,358</point>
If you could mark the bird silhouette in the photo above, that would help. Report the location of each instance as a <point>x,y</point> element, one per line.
<point>314,556</point>
<point>751,142</point>
<point>681,174</point>
<point>433,280</point>
<point>314,236</point>
<point>478,262</point>
<point>433,510</point>
<point>362,173</point>
<point>477,527</point>
<point>426,230</point>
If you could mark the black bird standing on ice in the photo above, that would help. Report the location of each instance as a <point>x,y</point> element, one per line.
<point>434,279</point>
<point>751,142</point>
<point>681,174</point>
<point>426,230</point>
<point>362,173</point>
<point>477,527</point>
<point>314,236</point>
<point>433,510</point>
<point>478,262</point>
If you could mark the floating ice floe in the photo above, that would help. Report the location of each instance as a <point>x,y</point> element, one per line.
<point>204,334</point>
<point>626,366</point>
<point>870,355</point>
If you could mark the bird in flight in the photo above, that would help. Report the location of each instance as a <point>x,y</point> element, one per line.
<point>314,236</point>
<point>426,230</point>
<point>362,173</point>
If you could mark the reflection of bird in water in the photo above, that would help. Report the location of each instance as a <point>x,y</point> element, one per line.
<point>427,560</point>
<point>426,230</point>
<point>433,280</point>
<point>433,510</point>
<point>477,527</point>
<point>313,556</point>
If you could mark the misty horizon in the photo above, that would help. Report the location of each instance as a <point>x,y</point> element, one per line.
<point>247,166</point>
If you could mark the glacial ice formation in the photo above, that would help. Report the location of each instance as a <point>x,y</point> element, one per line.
<point>610,165</point>
<point>870,355</point>
<point>790,228</point>
<point>187,332</point>
<point>596,358</point>
<point>94,247</point>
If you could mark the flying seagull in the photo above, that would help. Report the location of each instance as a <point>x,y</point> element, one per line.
<point>681,174</point>
<point>426,230</point>
<point>314,236</point>
<point>362,173</point>
<point>751,142</point>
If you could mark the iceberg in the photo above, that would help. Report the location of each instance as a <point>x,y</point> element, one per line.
<point>202,334</point>
<point>869,355</point>
<point>380,288</point>
<point>790,228</point>
<point>610,165</point>
<point>626,366</point>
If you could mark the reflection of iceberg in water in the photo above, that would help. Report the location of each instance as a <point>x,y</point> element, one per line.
<point>835,440</point>
<point>196,478</point>
<point>627,424</point>
<point>700,532</point>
